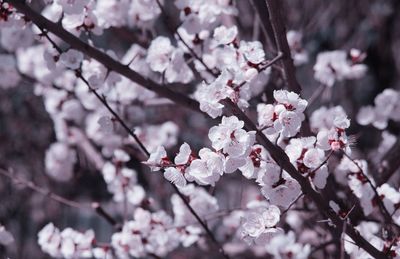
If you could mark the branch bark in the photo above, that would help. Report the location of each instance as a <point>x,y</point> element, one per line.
<point>279,30</point>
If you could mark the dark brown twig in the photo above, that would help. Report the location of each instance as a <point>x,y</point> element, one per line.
<point>278,27</point>
<point>62,200</point>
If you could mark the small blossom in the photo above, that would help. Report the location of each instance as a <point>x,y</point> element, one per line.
<point>231,138</point>
<point>224,35</point>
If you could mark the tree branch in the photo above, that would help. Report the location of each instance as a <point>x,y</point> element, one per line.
<point>283,161</point>
<point>278,27</point>
<point>96,207</point>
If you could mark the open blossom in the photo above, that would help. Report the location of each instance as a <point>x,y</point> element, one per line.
<point>253,51</point>
<point>230,138</point>
<point>391,200</point>
<point>158,159</point>
<point>176,175</point>
<point>308,159</point>
<point>208,169</point>
<point>336,137</point>
<point>142,13</point>
<point>71,59</point>
<point>259,225</point>
<point>163,57</point>
<point>358,183</point>
<point>332,66</point>
<point>285,116</point>
<point>210,95</point>
<point>257,163</point>
<point>159,54</point>
<point>282,191</point>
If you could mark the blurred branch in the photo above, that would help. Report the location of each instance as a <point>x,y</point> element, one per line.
<point>389,163</point>
<point>278,27</point>
<point>260,8</point>
<point>62,200</point>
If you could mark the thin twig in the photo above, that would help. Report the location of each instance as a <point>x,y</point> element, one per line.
<point>55,197</point>
<point>293,203</point>
<point>278,27</point>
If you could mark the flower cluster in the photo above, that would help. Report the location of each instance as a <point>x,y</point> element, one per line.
<point>308,159</point>
<point>148,233</point>
<point>121,181</point>
<point>259,225</point>
<point>334,66</point>
<point>330,124</point>
<point>386,108</point>
<point>232,145</point>
<point>284,116</point>
<point>358,182</point>
<point>70,243</point>
<point>187,225</point>
<point>242,71</point>
<point>168,60</point>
